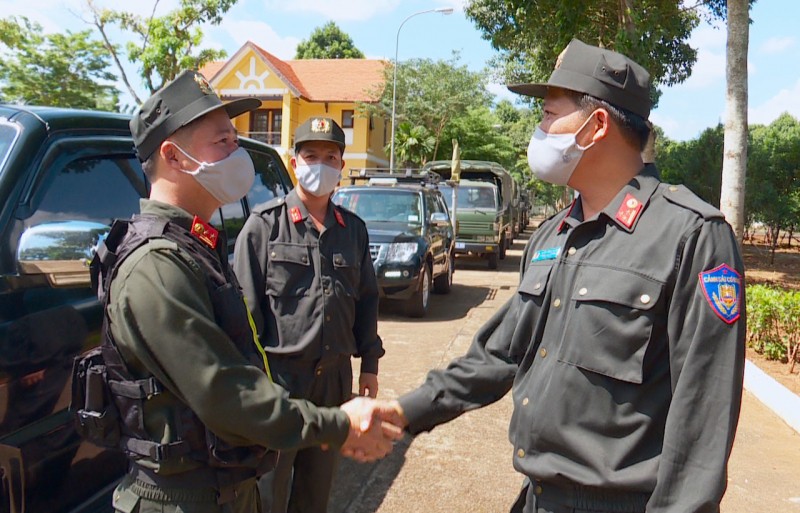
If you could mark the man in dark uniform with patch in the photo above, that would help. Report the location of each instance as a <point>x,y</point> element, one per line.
<point>201,418</point>
<point>307,275</point>
<point>624,345</point>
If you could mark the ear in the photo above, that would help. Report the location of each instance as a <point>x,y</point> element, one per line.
<point>600,123</point>
<point>342,165</point>
<point>170,154</point>
<point>293,162</point>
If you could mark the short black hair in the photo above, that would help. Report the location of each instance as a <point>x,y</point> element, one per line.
<point>634,128</point>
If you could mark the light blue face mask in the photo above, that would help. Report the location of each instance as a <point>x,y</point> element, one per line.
<point>228,179</point>
<point>317,179</point>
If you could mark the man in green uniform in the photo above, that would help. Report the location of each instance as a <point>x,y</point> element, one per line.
<point>624,345</point>
<point>207,411</point>
<point>307,275</point>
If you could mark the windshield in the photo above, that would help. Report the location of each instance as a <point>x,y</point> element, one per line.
<point>381,206</point>
<point>471,196</point>
<point>8,134</point>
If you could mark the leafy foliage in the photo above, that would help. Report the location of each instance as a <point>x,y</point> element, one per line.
<point>162,46</point>
<point>62,70</point>
<point>696,163</point>
<point>654,33</point>
<point>413,144</point>
<point>328,42</point>
<point>772,328</point>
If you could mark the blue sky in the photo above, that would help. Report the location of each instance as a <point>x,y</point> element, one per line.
<point>684,111</point>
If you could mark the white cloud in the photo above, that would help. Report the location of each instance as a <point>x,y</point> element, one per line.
<point>263,35</point>
<point>501,92</point>
<point>710,66</point>
<point>775,45</point>
<point>342,10</point>
<point>786,100</point>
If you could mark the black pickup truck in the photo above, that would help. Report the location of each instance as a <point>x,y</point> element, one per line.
<point>64,176</point>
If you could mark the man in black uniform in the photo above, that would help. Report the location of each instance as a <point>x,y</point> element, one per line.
<point>198,409</point>
<point>624,345</point>
<point>307,275</point>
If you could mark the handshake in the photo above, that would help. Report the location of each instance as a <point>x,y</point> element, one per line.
<point>374,427</point>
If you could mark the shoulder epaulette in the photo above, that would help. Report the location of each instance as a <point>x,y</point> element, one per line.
<point>270,205</point>
<point>682,196</point>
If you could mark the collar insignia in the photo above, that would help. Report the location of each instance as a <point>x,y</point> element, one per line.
<point>629,211</point>
<point>295,214</point>
<point>205,232</point>
<point>339,217</point>
<point>722,288</point>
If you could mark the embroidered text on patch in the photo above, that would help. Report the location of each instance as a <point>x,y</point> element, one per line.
<point>722,287</point>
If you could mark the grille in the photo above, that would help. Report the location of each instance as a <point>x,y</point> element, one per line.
<point>374,250</point>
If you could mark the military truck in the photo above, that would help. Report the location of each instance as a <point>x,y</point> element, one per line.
<point>65,175</point>
<point>483,231</point>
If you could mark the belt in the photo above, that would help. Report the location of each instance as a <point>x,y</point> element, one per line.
<point>592,498</point>
<point>199,485</point>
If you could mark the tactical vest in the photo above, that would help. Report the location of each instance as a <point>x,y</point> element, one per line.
<point>109,403</point>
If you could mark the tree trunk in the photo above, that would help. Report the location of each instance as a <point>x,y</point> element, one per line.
<point>734,160</point>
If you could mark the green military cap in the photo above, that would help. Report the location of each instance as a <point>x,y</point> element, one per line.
<point>598,72</point>
<point>181,101</point>
<point>319,129</point>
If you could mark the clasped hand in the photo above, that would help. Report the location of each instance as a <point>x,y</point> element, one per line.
<point>374,427</point>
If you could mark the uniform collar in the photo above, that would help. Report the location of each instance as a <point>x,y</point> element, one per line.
<point>299,213</point>
<point>173,214</point>
<point>627,207</point>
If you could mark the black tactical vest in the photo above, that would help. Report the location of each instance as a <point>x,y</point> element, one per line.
<point>108,402</point>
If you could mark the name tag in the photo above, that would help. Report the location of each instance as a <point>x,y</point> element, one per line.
<point>545,254</point>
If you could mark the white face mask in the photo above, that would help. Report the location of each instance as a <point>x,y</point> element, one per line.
<point>554,157</point>
<point>318,179</point>
<point>228,179</point>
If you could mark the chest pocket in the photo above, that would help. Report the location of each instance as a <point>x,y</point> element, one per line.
<point>347,271</point>
<point>289,269</point>
<point>534,282</point>
<point>611,323</point>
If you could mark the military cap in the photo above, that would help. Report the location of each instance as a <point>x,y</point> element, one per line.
<point>181,101</point>
<point>319,129</point>
<point>598,72</point>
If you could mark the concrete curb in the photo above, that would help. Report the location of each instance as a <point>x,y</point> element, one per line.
<point>775,396</point>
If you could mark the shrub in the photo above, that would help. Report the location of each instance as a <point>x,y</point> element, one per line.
<point>772,322</point>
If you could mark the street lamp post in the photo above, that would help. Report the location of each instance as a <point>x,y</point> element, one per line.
<point>441,10</point>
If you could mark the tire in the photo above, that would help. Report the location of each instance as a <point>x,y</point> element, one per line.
<point>417,304</point>
<point>443,282</point>
<point>492,257</point>
<point>501,249</point>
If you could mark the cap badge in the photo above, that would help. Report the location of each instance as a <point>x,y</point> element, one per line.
<point>320,125</point>
<point>205,232</point>
<point>205,87</point>
<point>722,288</point>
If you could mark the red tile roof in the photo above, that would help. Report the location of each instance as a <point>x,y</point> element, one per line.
<point>322,80</point>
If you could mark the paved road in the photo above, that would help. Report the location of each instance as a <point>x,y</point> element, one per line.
<point>465,466</point>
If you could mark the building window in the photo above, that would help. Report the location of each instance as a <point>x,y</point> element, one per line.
<point>347,118</point>
<point>265,125</point>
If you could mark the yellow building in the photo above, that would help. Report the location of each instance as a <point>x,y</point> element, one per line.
<point>292,91</point>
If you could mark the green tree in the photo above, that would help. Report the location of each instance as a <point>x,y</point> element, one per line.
<point>480,137</point>
<point>161,46</point>
<point>432,94</point>
<point>63,70</point>
<point>328,42</point>
<point>531,34</point>
<point>413,145</point>
<point>696,163</point>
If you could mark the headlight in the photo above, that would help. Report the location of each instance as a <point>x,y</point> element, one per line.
<point>401,251</point>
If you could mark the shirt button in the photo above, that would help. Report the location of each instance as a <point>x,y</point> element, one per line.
<point>572,251</point>
<point>538,490</point>
<point>525,402</point>
<point>319,372</point>
<point>543,352</point>
<point>537,286</point>
<point>272,254</point>
<point>557,303</point>
<point>521,453</point>
<point>672,188</point>
<point>645,298</point>
<point>327,347</point>
<point>328,318</point>
<point>304,260</point>
<point>583,291</point>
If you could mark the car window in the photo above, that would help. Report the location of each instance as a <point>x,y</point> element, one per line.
<point>98,189</point>
<point>269,181</point>
<point>377,205</point>
<point>8,134</point>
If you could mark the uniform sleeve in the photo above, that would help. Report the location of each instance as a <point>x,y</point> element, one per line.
<point>707,368</point>
<point>250,264</point>
<point>365,329</point>
<point>479,378</point>
<point>184,348</point>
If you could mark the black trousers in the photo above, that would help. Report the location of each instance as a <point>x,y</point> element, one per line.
<point>301,481</point>
<point>539,497</point>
